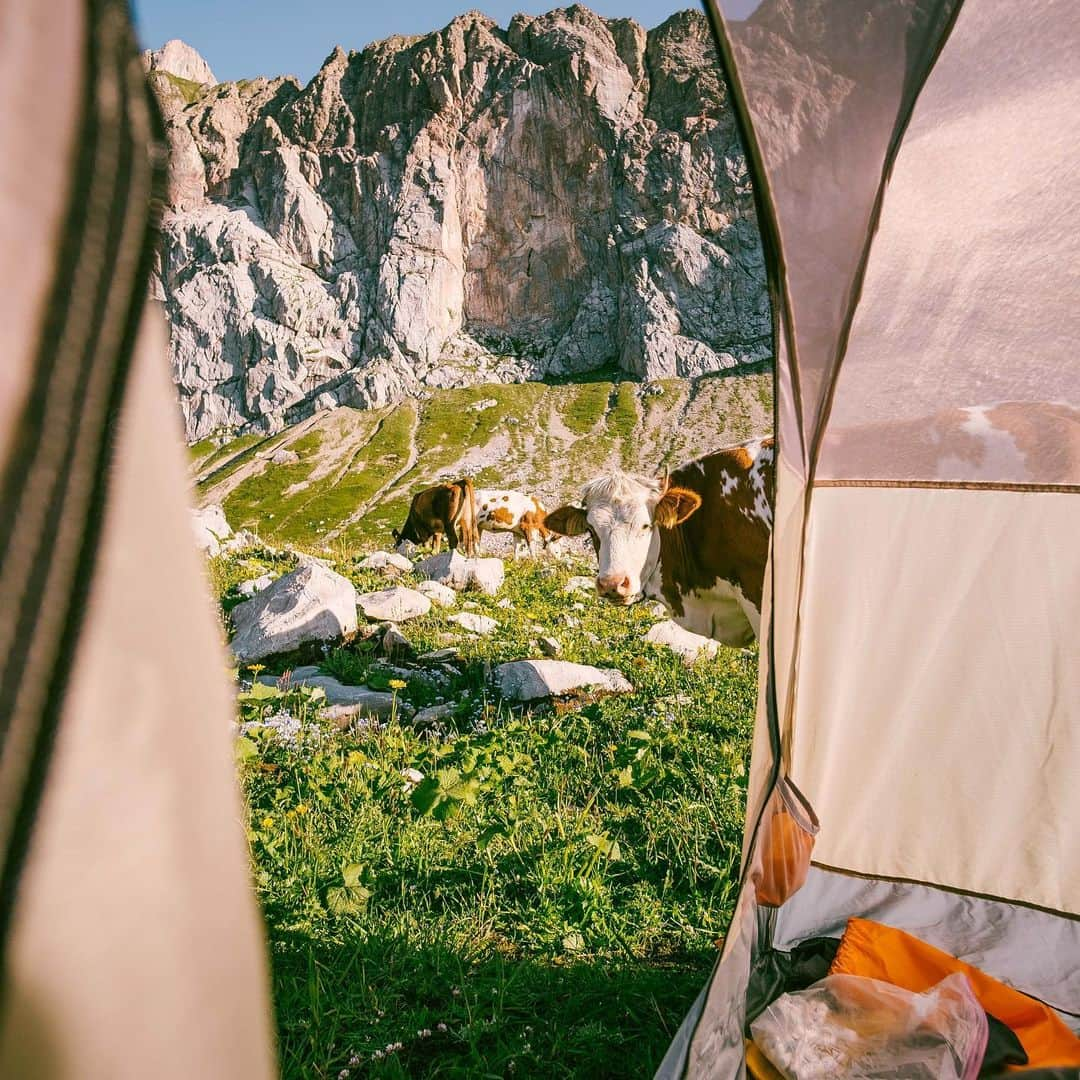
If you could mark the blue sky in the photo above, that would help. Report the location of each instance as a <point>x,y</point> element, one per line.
<point>244,38</point>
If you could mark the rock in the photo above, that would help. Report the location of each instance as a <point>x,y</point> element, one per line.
<point>360,699</point>
<point>487,575</point>
<point>310,604</point>
<point>210,528</point>
<point>580,584</point>
<point>454,570</point>
<point>387,561</point>
<point>483,405</point>
<point>439,656</point>
<point>448,568</point>
<point>283,456</point>
<point>395,643</point>
<point>475,624</point>
<point>255,585</point>
<point>440,595</point>
<point>361,239</point>
<point>243,540</point>
<point>688,645</point>
<point>549,646</point>
<point>433,714</point>
<point>530,680</point>
<point>397,604</point>
<point>505,603</point>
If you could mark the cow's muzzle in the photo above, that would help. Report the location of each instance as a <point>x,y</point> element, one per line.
<point>617,588</point>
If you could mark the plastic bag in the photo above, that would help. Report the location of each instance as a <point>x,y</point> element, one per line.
<point>863,1029</point>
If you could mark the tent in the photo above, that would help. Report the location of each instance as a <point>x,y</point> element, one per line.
<point>917,171</point>
<point>132,942</point>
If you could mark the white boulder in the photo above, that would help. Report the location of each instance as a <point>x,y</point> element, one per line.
<point>210,528</point>
<point>310,604</point>
<point>255,585</point>
<point>530,680</point>
<point>440,595</point>
<point>386,561</point>
<point>475,624</point>
<point>453,569</point>
<point>685,643</point>
<point>358,700</point>
<point>394,605</point>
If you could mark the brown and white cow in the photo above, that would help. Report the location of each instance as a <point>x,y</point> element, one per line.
<point>698,540</point>
<point>448,508</point>
<point>513,512</point>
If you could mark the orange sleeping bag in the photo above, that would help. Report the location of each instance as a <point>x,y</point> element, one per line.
<point>880,952</point>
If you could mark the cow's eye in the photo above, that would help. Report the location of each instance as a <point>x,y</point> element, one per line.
<point>646,527</point>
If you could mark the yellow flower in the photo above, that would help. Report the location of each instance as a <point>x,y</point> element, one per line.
<point>302,808</point>
<point>397,684</point>
<point>266,822</point>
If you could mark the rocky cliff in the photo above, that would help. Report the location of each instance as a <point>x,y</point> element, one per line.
<point>475,205</point>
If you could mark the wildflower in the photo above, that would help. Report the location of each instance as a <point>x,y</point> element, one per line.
<point>343,1075</point>
<point>456,992</point>
<point>424,1033</point>
<point>302,808</point>
<point>266,822</point>
<point>441,1027</point>
<point>354,1060</point>
<point>412,778</point>
<point>378,1055</point>
<point>397,684</point>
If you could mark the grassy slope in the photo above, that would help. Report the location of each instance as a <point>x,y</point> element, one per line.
<point>558,911</point>
<point>357,470</point>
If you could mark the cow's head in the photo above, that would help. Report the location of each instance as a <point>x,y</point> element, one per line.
<point>623,517</point>
<point>408,534</point>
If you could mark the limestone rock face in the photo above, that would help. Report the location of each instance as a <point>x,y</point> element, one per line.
<point>476,205</point>
<point>178,58</point>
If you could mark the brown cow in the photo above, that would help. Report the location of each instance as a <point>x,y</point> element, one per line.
<point>448,508</point>
<point>697,541</point>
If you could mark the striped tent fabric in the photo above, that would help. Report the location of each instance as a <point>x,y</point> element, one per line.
<point>131,941</point>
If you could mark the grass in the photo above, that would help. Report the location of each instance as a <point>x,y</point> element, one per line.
<point>543,895</point>
<point>189,90</point>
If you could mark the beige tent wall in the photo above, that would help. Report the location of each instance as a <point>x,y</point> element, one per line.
<point>137,949</point>
<point>132,942</point>
<point>937,718</point>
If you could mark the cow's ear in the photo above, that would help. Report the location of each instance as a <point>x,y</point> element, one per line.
<point>675,506</point>
<point>567,521</point>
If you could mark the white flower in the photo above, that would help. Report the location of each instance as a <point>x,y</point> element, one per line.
<point>414,776</point>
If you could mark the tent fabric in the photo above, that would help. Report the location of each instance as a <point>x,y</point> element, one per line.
<point>986,178</point>
<point>916,179</point>
<point>937,724</point>
<point>131,941</point>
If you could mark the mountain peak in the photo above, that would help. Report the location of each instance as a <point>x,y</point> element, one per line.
<point>178,58</point>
